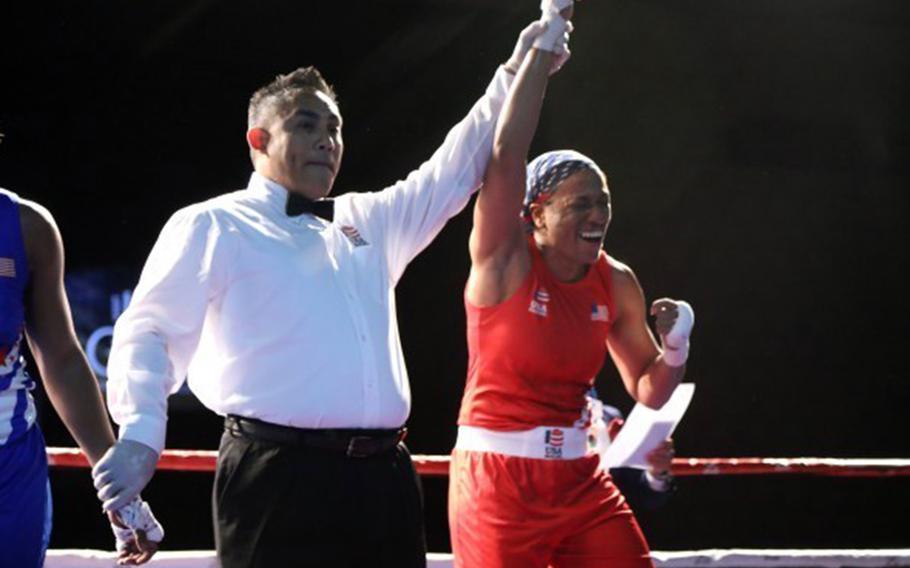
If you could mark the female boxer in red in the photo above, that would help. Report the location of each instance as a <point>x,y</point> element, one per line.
<point>545,304</point>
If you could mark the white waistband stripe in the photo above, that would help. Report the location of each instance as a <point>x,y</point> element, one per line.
<point>543,442</point>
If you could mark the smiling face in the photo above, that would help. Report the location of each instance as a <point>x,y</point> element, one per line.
<point>300,146</point>
<point>570,226</point>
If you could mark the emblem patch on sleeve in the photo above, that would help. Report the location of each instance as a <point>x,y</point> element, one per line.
<point>353,235</point>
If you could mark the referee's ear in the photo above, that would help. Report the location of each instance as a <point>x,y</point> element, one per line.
<point>258,139</point>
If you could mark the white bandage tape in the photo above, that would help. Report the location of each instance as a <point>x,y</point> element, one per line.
<point>122,537</point>
<point>659,484</point>
<point>553,39</point>
<point>137,515</point>
<point>676,342</point>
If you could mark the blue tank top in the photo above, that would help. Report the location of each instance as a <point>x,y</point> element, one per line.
<point>17,408</point>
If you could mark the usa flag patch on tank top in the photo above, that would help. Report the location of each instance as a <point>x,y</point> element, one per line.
<point>599,312</point>
<point>539,302</point>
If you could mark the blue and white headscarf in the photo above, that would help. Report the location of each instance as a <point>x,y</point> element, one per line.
<point>547,171</point>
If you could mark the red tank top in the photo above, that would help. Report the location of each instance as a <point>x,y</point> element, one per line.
<point>532,358</point>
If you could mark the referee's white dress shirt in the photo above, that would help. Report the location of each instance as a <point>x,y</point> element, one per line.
<point>289,319</point>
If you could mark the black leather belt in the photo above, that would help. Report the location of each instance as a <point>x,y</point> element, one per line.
<point>352,442</point>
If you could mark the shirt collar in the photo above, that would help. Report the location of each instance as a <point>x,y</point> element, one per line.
<point>274,197</point>
<point>274,194</point>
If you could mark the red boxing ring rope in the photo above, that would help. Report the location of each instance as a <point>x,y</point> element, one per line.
<point>438,466</point>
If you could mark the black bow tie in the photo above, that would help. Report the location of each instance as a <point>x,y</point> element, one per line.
<point>298,205</point>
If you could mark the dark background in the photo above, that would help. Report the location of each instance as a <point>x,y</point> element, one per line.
<point>757,153</point>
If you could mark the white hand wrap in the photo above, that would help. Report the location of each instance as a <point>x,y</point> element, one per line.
<point>137,515</point>
<point>676,342</point>
<point>554,38</point>
<point>598,435</point>
<point>659,484</point>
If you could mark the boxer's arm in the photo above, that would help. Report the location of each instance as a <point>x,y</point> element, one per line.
<point>645,374</point>
<point>499,256</point>
<point>68,379</point>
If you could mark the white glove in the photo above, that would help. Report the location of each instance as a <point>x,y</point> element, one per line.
<point>675,320</point>
<point>123,472</point>
<point>523,46</point>
<point>525,43</point>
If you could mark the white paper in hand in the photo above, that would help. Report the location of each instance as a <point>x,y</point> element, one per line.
<point>645,429</point>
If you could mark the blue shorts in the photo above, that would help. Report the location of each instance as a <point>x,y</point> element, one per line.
<point>25,501</point>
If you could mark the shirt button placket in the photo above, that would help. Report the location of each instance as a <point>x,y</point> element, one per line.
<point>359,325</point>
<point>371,395</point>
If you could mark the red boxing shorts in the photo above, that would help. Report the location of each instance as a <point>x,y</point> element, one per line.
<point>509,511</point>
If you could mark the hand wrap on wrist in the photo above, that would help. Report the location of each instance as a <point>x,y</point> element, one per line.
<point>676,342</point>
<point>553,38</point>
<point>136,515</point>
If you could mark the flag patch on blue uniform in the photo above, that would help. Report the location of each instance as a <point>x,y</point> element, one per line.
<point>7,267</point>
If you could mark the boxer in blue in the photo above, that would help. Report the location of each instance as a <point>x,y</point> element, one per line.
<point>33,307</point>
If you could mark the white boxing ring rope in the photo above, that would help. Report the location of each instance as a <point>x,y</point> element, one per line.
<point>204,460</point>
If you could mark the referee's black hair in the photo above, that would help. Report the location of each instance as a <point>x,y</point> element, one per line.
<point>283,91</point>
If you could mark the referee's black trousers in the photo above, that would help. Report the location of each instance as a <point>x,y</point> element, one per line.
<point>277,505</point>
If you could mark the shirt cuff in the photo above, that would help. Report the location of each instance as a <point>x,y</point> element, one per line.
<point>145,430</point>
<point>502,80</point>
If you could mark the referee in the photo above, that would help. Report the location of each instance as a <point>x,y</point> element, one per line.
<point>279,305</point>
